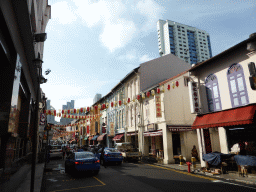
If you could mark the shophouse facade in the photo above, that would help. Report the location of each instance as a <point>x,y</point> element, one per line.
<point>22,31</point>
<point>226,99</point>
<point>178,137</point>
<point>153,121</point>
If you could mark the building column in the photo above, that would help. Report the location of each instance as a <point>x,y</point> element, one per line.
<point>201,146</point>
<point>167,146</point>
<point>223,140</point>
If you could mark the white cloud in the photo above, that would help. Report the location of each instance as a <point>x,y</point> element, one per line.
<point>117,35</point>
<point>145,58</point>
<point>117,31</point>
<point>152,11</point>
<point>62,13</point>
<point>130,55</point>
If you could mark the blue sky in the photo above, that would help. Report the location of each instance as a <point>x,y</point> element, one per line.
<point>92,44</point>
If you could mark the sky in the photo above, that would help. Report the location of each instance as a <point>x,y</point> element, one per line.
<point>92,44</point>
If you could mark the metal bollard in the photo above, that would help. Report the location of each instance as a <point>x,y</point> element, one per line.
<point>181,157</point>
<point>193,160</point>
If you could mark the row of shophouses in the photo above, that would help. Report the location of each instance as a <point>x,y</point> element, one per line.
<point>165,106</point>
<point>22,36</point>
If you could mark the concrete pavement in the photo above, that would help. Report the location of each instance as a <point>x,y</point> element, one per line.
<point>230,176</point>
<point>25,185</point>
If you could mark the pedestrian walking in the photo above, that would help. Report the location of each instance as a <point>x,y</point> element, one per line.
<point>63,152</point>
<point>102,157</point>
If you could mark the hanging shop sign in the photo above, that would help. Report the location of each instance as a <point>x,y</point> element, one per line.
<point>179,128</point>
<point>158,106</point>
<point>112,129</point>
<point>193,97</point>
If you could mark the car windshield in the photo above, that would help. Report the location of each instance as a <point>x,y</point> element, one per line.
<point>84,155</point>
<point>112,150</point>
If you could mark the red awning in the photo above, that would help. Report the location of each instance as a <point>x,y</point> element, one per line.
<point>101,137</point>
<point>153,133</point>
<point>118,137</point>
<point>231,117</point>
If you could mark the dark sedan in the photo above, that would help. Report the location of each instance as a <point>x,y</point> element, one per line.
<point>82,161</point>
<point>110,155</point>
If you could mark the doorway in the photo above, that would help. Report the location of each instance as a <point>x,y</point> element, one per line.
<point>176,144</point>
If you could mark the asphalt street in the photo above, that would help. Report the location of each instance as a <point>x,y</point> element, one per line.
<point>132,177</point>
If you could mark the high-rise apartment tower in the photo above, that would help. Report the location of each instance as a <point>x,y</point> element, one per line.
<point>188,43</point>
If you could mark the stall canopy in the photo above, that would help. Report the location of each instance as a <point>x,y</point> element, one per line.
<point>101,137</point>
<point>95,137</point>
<point>118,137</point>
<point>231,117</point>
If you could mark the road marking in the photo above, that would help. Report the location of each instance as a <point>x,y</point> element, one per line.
<point>190,174</point>
<point>83,187</point>
<point>220,181</point>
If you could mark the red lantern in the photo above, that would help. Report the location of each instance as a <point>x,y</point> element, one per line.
<point>88,109</point>
<point>54,112</point>
<point>81,110</point>
<point>129,100</point>
<point>112,104</point>
<point>74,110</point>
<point>138,97</point>
<point>49,112</point>
<point>148,94</point>
<point>44,111</point>
<point>96,107</point>
<point>62,111</point>
<point>177,83</point>
<point>120,102</point>
<point>68,116</point>
<point>103,106</point>
<point>64,115</point>
<point>68,111</point>
<point>168,87</point>
<point>158,90</point>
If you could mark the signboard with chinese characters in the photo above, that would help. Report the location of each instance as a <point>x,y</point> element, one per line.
<point>112,129</point>
<point>193,97</point>
<point>158,106</point>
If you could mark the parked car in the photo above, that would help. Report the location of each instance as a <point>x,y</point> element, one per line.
<point>82,161</point>
<point>110,155</point>
<point>56,151</point>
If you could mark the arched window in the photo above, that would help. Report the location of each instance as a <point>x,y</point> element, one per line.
<point>212,92</point>
<point>237,86</point>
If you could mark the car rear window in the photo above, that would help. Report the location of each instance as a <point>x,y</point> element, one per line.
<point>84,155</point>
<point>112,150</point>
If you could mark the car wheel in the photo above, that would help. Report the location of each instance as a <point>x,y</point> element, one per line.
<point>96,172</point>
<point>102,162</point>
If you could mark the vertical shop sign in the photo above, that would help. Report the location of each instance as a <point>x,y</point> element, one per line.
<point>112,129</point>
<point>158,106</point>
<point>193,97</point>
<point>16,101</point>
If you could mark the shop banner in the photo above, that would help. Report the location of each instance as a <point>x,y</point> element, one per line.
<point>112,129</point>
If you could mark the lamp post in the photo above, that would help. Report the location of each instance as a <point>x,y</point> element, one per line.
<point>40,79</point>
<point>38,63</point>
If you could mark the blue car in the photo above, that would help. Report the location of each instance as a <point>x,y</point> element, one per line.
<point>82,161</point>
<point>110,155</point>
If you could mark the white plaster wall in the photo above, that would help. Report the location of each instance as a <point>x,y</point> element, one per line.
<point>220,68</point>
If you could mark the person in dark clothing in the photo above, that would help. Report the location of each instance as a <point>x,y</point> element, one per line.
<point>102,157</point>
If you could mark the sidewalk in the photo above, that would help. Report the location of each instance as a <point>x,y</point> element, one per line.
<point>231,175</point>
<point>25,185</point>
